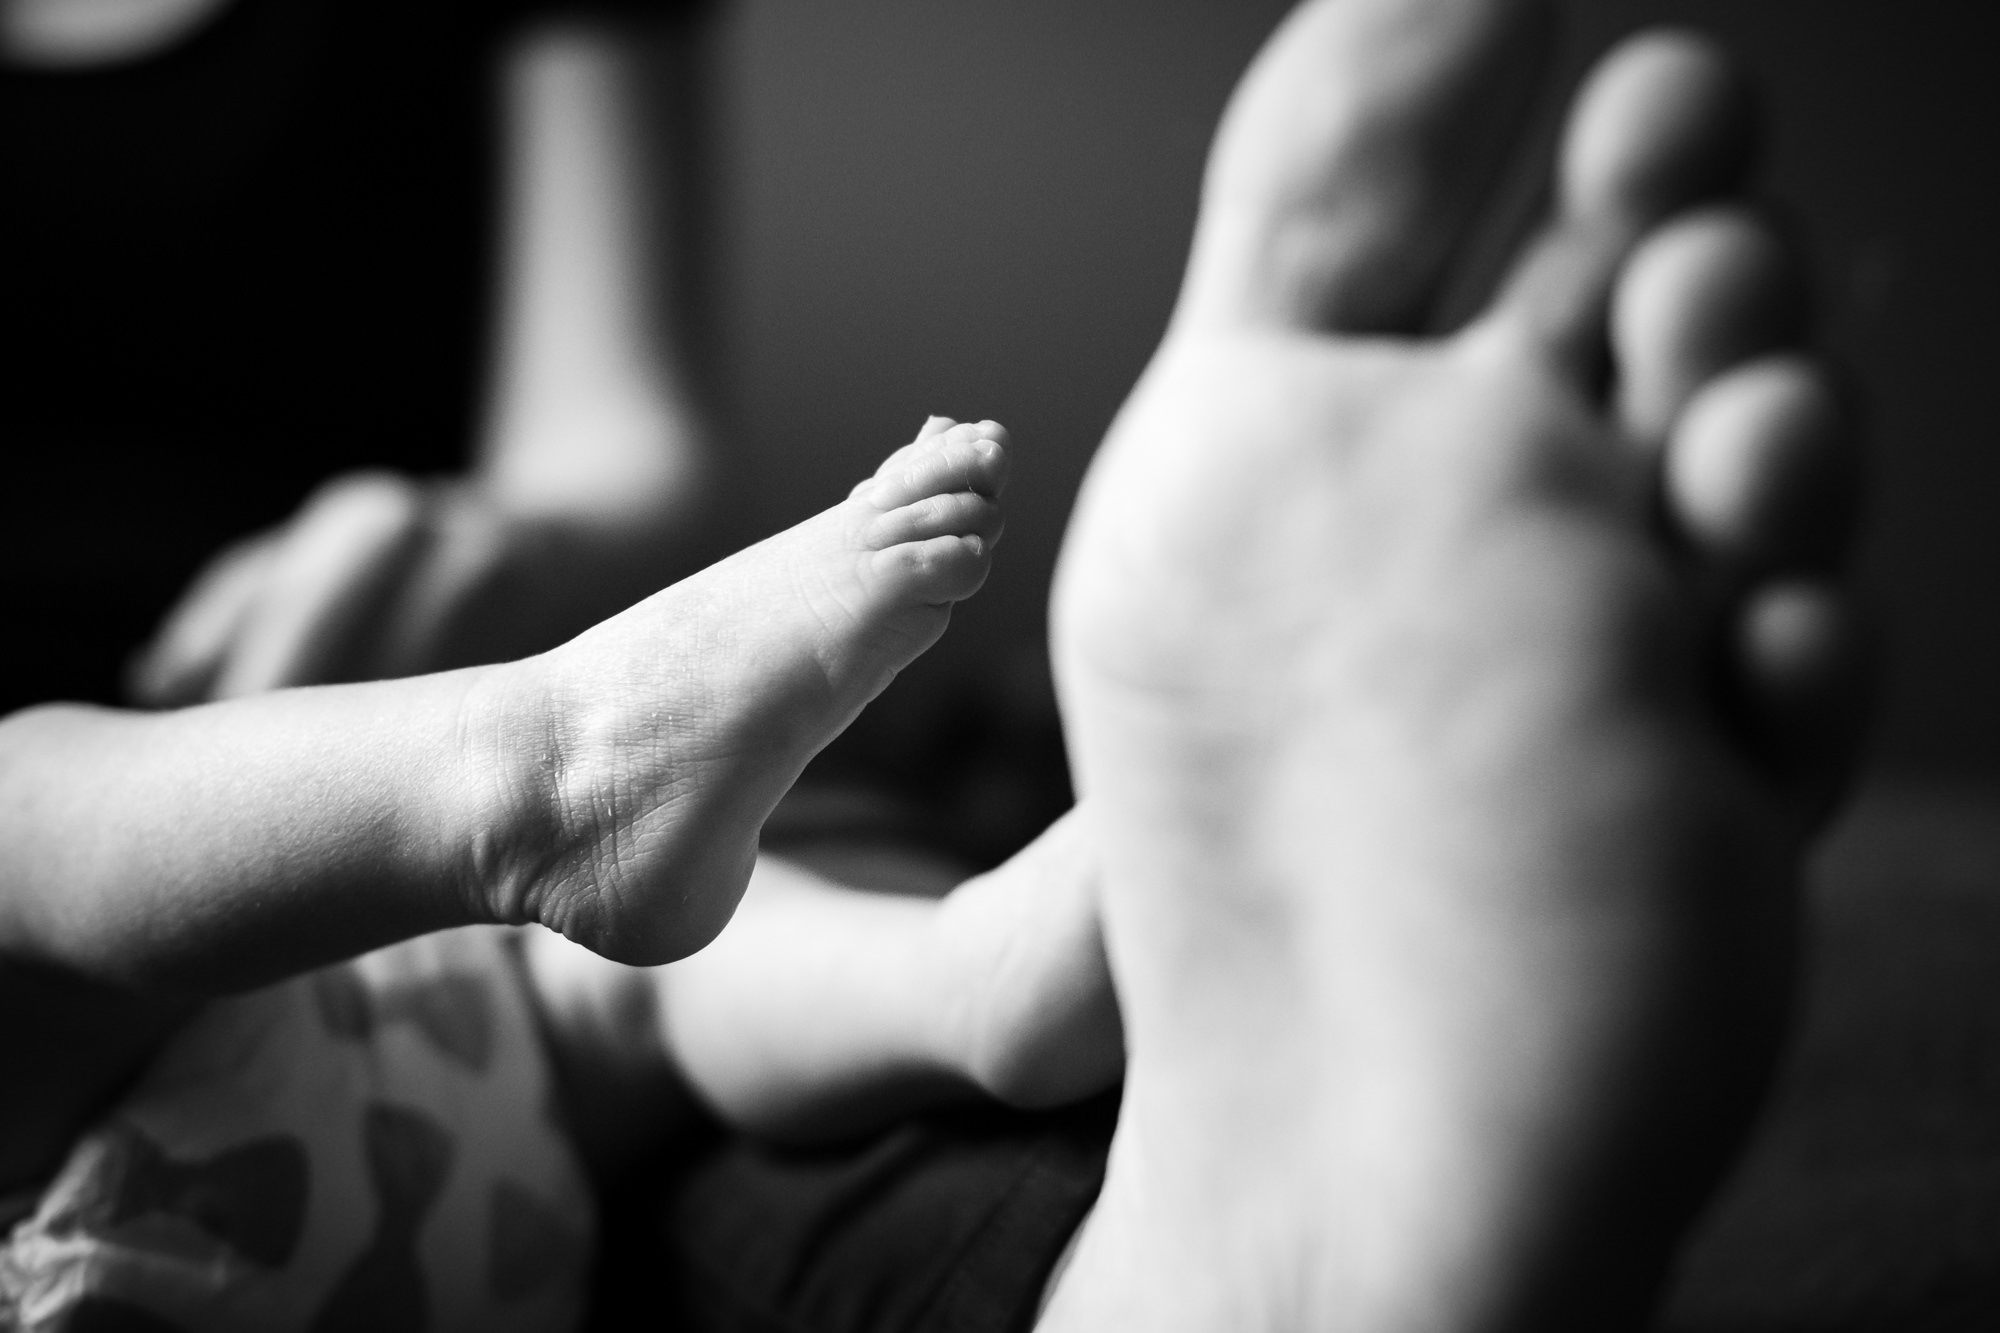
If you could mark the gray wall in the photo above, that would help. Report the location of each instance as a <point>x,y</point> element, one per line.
<point>980,207</point>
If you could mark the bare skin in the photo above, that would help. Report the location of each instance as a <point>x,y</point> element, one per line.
<point>1448,722</point>
<point>774,651</point>
<point>823,1011</point>
<point>612,789</point>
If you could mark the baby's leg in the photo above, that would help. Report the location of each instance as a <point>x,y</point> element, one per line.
<point>663,737</point>
<point>1448,753</point>
<point>825,1009</point>
<point>616,785</point>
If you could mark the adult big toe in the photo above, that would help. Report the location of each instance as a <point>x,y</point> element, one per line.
<point>1353,158</point>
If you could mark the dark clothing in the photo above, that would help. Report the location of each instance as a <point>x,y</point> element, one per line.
<point>228,272</point>
<point>947,1224</point>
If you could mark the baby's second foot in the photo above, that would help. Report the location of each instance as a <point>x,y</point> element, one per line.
<point>1025,995</point>
<point>660,740</point>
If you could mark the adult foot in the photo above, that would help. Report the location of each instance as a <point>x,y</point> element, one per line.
<point>662,738</point>
<point>1449,711</point>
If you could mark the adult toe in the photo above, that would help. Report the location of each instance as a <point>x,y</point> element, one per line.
<point>1352,157</point>
<point>1665,121</point>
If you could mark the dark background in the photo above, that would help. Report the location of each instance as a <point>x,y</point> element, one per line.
<point>981,208</point>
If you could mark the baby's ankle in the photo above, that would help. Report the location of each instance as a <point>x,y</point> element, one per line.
<point>586,806</point>
<point>505,807</point>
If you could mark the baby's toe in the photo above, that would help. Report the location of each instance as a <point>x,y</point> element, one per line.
<point>952,514</point>
<point>933,571</point>
<point>967,457</point>
<point>933,427</point>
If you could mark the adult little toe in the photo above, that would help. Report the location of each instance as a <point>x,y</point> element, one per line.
<point>1700,294</point>
<point>1803,670</point>
<point>1761,474</point>
<point>1352,158</point>
<point>1665,121</point>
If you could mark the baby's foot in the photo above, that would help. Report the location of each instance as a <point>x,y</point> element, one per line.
<point>1024,995</point>
<point>829,1009</point>
<point>1449,725</point>
<point>666,735</point>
